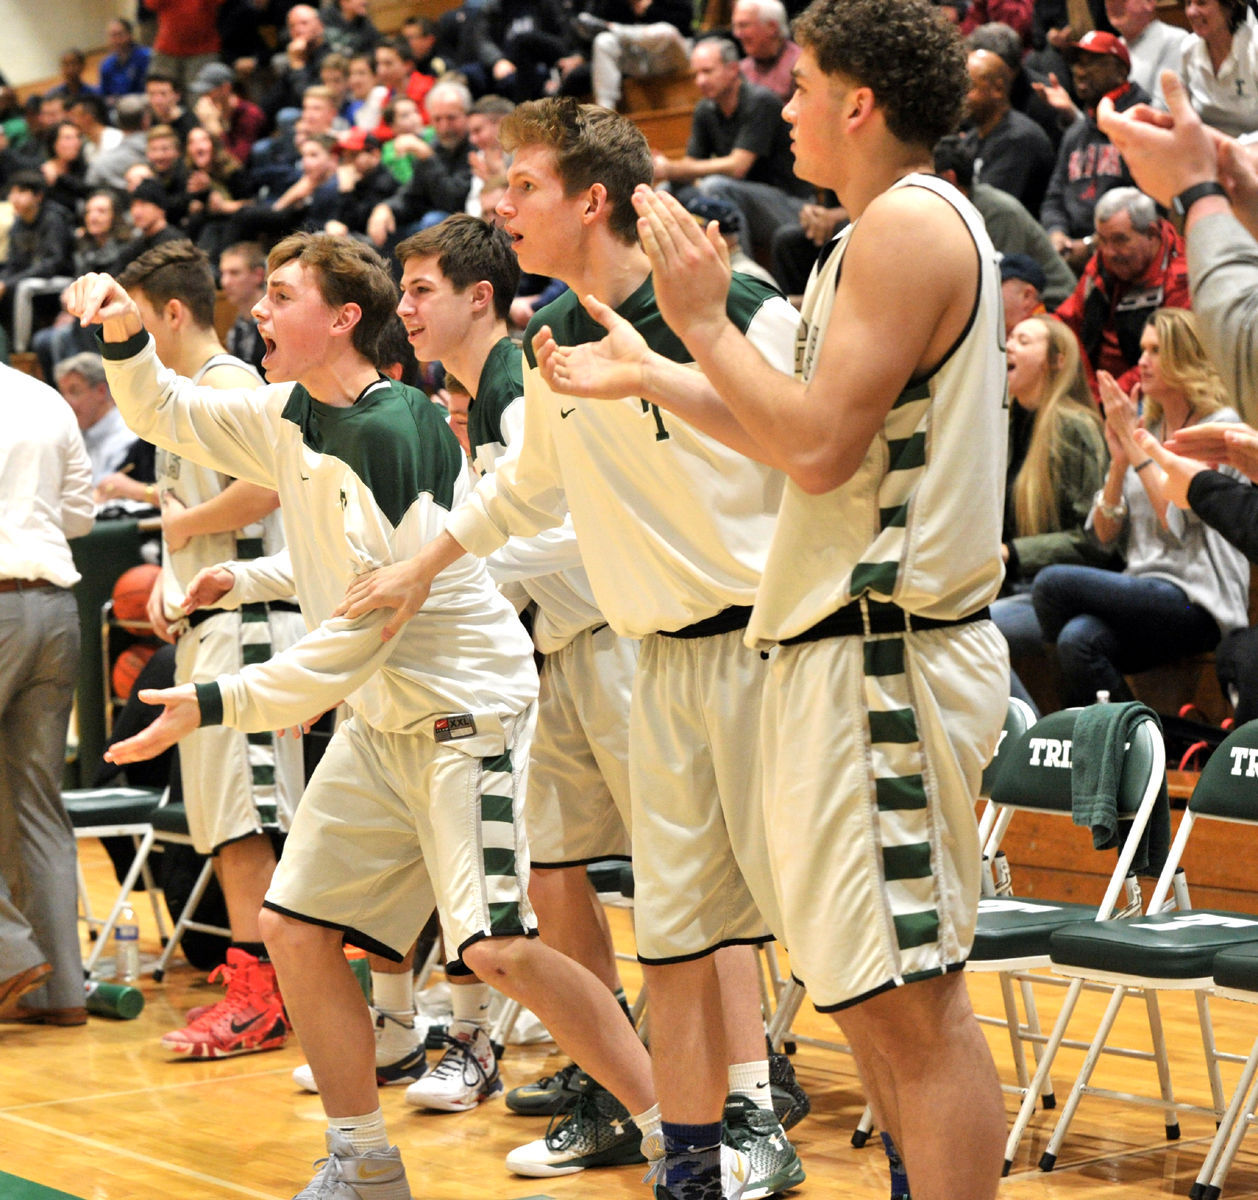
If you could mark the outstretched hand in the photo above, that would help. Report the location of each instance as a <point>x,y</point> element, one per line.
<point>604,370</point>
<point>96,298</point>
<point>1216,443</point>
<point>690,264</point>
<point>401,587</point>
<point>209,585</point>
<point>181,714</point>
<point>1177,471</point>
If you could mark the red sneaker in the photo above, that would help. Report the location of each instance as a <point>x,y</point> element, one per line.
<point>249,1018</point>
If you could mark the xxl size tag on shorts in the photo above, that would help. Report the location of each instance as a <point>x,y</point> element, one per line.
<point>453,727</point>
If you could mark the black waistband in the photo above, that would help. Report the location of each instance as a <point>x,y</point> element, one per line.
<point>725,621</point>
<point>204,614</point>
<point>877,617</point>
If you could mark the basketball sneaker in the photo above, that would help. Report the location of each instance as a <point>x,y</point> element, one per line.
<point>757,1134</point>
<point>392,1070</point>
<point>735,1170</point>
<point>597,1132</point>
<point>549,1095</point>
<point>344,1175</point>
<point>466,1074</point>
<point>249,1018</point>
<point>790,1101</point>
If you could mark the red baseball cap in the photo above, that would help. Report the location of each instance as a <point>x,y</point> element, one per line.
<point>1096,42</point>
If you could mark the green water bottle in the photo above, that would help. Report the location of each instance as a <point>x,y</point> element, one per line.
<point>114,1000</point>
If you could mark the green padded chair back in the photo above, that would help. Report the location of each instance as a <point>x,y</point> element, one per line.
<point>1018,719</point>
<point>1035,771</point>
<point>1228,787</point>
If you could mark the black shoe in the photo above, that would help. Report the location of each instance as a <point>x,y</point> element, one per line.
<point>549,1095</point>
<point>790,1101</point>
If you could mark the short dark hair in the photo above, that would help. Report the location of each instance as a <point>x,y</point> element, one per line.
<point>492,106</point>
<point>905,51</point>
<point>591,145</point>
<point>395,349</point>
<point>161,77</point>
<point>90,100</point>
<point>999,39</point>
<point>468,250</point>
<point>346,272</point>
<point>251,252</point>
<point>175,270</point>
<point>956,154</point>
<point>29,181</point>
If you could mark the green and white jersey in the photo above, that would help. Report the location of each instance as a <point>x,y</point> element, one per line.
<point>192,485</point>
<point>360,487</point>
<point>919,523</point>
<point>672,525</point>
<point>547,566</point>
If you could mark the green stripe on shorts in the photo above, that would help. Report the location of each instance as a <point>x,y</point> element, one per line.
<point>884,657</point>
<point>499,861</point>
<point>899,725</point>
<point>496,808</point>
<point>906,862</point>
<point>904,792</point>
<point>916,929</point>
<point>874,577</point>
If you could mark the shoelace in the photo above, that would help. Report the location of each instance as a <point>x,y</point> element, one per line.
<point>453,1063</point>
<point>566,1128</point>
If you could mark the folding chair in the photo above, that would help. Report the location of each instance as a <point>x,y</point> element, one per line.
<point>115,812</point>
<point>1012,936</point>
<point>1171,949</point>
<point>1018,719</point>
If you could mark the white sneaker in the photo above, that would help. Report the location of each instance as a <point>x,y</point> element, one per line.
<point>735,1173</point>
<point>344,1175</point>
<point>396,1072</point>
<point>466,1075</point>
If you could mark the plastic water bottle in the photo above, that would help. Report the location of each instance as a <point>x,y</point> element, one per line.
<point>127,947</point>
<point>1102,696</point>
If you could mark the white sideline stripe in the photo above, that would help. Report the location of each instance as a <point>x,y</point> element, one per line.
<point>142,1158</point>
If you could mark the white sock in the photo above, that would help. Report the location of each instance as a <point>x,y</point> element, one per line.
<point>469,1003</point>
<point>648,1124</point>
<point>393,993</point>
<point>751,1079</point>
<point>365,1133</point>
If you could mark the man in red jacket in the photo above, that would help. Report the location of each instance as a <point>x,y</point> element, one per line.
<point>1138,266</point>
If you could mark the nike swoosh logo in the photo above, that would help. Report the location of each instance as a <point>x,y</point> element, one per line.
<point>738,1170</point>
<point>376,1173</point>
<point>245,1024</point>
<point>765,1084</point>
<point>565,413</point>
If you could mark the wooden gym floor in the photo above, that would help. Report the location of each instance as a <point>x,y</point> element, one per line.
<point>102,1113</point>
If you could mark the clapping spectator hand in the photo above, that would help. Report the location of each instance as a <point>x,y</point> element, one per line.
<point>1122,415</point>
<point>1177,471</point>
<point>1056,96</point>
<point>1219,444</point>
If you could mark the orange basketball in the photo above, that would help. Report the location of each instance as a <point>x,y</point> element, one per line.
<point>131,593</point>
<point>128,666</point>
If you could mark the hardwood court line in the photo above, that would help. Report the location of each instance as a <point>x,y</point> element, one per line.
<point>1082,1164</point>
<point>144,1091</point>
<point>156,1163</point>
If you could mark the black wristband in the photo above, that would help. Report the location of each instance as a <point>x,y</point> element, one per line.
<point>1189,196</point>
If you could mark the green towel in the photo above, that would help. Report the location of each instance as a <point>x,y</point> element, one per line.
<point>1101,734</point>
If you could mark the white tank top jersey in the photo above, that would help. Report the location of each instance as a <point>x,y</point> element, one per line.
<point>919,523</point>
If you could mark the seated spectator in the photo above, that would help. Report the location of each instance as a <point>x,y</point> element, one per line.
<point>405,128</point>
<point>795,247</point>
<point>395,70</point>
<point>1022,284</point>
<point>1011,152</point>
<point>123,70</point>
<point>334,76</point>
<point>1087,164</point>
<point>363,183</point>
<point>638,38</point>
<point>706,209</point>
<point>41,243</point>
<point>1183,586</point>
<point>71,87</point>
<point>1003,42</point>
<point>421,36</point>
<point>1057,461</point>
<point>163,96</point>
<point>1220,65</point>
<point>65,169</point>
<point>237,123</point>
<point>298,67</point>
<point>769,55</point>
<point>50,111</point>
<point>81,380</point>
<point>186,39</point>
<point>348,27</point>
<point>109,167</point>
<point>242,276</point>
<point>441,177</point>
<point>163,151</point>
<point>363,94</point>
<point>1012,229</point>
<point>488,159</point>
<point>216,191</point>
<point>513,46</point>
<point>1154,45</point>
<point>308,204</point>
<point>1139,266</point>
<point>148,200</point>
<point>739,148</point>
<point>90,115</point>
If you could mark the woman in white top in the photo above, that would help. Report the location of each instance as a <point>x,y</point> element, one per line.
<point>1220,68</point>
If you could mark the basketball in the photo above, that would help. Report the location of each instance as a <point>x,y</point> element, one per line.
<point>128,666</point>
<point>131,593</point>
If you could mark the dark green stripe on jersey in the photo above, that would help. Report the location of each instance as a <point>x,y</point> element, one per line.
<point>500,385</point>
<point>394,439</point>
<point>573,326</point>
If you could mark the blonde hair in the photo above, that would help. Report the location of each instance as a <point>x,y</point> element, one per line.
<point>1066,396</point>
<point>1185,366</point>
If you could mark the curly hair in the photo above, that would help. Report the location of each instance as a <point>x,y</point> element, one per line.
<point>591,145</point>
<point>905,51</point>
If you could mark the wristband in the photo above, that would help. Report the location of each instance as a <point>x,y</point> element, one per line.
<point>1141,466</point>
<point>1189,196</point>
<point>1111,512</point>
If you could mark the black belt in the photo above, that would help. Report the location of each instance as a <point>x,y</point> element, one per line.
<point>27,585</point>
<point>725,621</point>
<point>204,614</point>
<point>873,616</point>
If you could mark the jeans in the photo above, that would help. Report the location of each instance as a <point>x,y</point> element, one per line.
<point>1107,625</point>
<point>1015,617</point>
